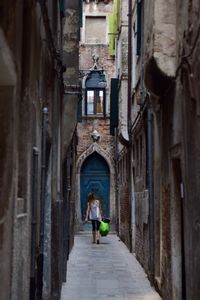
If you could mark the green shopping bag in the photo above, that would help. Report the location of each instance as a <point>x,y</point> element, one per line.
<point>104,228</point>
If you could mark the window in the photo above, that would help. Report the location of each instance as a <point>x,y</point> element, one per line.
<point>95,30</point>
<point>139,25</point>
<point>95,102</point>
<point>95,93</point>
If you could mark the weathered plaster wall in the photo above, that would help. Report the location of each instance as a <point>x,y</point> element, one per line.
<point>121,62</point>
<point>189,46</point>
<point>164,48</point>
<point>8,191</point>
<point>71,75</point>
<point>8,142</point>
<point>176,110</point>
<point>156,61</point>
<point>159,34</point>
<point>31,80</point>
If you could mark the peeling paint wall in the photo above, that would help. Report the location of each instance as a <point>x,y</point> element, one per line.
<point>122,68</point>
<point>164,48</point>
<point>71,33</point>
<point>31,61</point>
<point>188,89</point>
<point>171,44</point>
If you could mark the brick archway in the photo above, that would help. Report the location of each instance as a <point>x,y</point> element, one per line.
<point>95,148</point>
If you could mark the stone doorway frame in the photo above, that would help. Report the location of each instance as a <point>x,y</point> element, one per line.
<point>94,148</point>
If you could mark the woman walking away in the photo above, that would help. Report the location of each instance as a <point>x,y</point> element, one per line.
<point>94,214</point>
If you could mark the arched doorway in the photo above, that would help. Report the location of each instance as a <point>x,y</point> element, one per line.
<point>95,178</point>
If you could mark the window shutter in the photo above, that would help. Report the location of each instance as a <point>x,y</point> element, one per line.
<point>114,110</point>
<point>81,13</point>
<point>114,20</point>
<point>139,26</point>
<point>62,8</point>
<point>111,36</point>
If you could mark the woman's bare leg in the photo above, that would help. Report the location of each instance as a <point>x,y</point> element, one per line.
<point>94,236</point>
<point>97,236</point>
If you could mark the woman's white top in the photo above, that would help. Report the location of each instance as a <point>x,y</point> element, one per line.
<point>95,211</point>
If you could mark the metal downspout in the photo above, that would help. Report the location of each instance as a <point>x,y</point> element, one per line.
<point>42,200</point>
<point>129,64</point>
<point>69,160</point>
<point>150,188</point>
<point>33,222</point>
<point>66,213</point>
<point>129,115</point>
<point>117,182</point>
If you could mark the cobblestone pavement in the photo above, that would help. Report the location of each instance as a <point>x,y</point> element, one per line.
<point>104,272</point>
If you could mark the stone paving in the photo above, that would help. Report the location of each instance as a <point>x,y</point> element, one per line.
<point>104,272</point>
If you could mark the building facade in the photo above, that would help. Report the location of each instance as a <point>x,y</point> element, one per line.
<point>162,151</point>
<point>95,151</point>
<point>122,139</point>
<point>35,93</point>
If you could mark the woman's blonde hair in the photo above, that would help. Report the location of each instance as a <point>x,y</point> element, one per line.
<point>91,197</point>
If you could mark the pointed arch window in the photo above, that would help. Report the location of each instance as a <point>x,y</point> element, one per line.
<point>95,100</point>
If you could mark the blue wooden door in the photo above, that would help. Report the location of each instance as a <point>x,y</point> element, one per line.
<point>95,178</point>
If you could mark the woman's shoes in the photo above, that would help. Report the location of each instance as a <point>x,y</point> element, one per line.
<point>94,242</point>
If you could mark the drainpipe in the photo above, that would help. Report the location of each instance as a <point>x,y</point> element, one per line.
<point>69,162</point>
<point>42,201</point>
<point>129,115</point>
<point>66,213</point>
<point>65,221</point>
<point>150,188</point>
<point>33,221</point>
<point>117,214</point>
<point>129,65</point>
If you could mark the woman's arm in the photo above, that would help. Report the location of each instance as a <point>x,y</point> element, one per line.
<point>87,212</point>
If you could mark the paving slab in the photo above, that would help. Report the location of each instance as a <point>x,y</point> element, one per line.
<point>104,272</point>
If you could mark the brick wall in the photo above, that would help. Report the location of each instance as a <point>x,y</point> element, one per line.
<point>165,196</point>
<point>166,244</point>
<point>142,228</point>
<point>85,129</point>
<point>124,215</point>
<point>101,124</point>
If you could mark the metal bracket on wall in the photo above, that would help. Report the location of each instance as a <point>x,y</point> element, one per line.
<point>72,89</point>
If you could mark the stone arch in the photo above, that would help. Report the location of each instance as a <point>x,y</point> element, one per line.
<point>95,148</point>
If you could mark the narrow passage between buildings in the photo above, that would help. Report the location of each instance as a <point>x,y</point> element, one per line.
<point>105,271</point>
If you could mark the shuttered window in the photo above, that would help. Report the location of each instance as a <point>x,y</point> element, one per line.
<point>139,26</point>
<point>114,114</point>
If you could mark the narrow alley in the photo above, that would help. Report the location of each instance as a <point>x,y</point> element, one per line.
<point>99,121</point>
<point>105,271</point>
